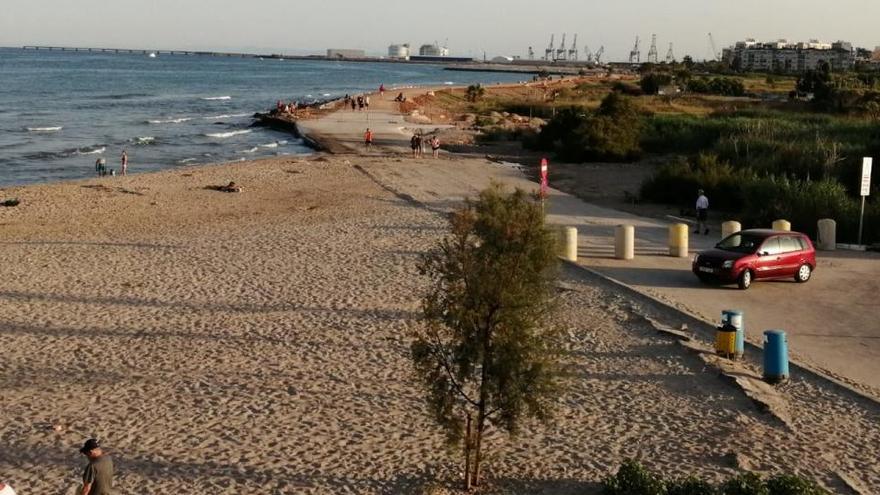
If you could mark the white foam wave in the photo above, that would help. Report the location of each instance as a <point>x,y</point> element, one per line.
<point>186,160</point>
<point>229,116</point>
<point>224,135</point>
<point>449,83</point>
<point>97,151</point>
<point>252,150</point>
<point>274,145</point>
<point>170,121</point>
<point>44,129</point>
<point>217,98</point>
<point>145,140</point>
<point>325,94</point>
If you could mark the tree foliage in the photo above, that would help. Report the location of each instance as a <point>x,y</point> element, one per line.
<point>474,92</point>
<point>484,354</point>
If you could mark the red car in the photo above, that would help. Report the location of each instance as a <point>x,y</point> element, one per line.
<point>757,254</point>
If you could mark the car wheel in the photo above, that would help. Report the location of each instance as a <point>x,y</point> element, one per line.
<point>745,279</point>
<point>803,274</point>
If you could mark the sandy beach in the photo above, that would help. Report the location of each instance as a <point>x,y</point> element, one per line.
<point>258,342</point>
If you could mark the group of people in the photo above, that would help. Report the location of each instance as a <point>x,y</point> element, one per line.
<point>281,107</point>
<point>417,143</point>
<point>360,102</point>
<point>101,165</point>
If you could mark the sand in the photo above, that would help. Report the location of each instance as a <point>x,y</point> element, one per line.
<point>258,343</point>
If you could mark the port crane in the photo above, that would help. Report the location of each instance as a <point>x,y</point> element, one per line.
<point>635,56</point>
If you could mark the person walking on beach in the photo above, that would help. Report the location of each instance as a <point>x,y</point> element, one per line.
<point>353,104</point>
<point>702,213</point>
<point>382,91</point>
<point>98,474</point>
<point>101,166</point>
<point>124,162</point>
<point>368,139</point>
<point>435,146</point>
<point>367,102</point>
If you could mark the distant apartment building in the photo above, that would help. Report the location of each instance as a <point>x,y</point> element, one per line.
<point>784,56</point>
<point>345,53</point>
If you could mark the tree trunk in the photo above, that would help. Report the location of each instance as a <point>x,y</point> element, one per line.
<point>477,447</point>
<point>467,454</point>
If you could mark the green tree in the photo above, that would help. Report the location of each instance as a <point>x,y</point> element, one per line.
<point>474,92</point>
<point>653,81</point>
<point>484,354</point>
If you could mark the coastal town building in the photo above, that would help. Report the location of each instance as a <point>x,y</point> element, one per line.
<point>345,53</point>
<point>788,57</point>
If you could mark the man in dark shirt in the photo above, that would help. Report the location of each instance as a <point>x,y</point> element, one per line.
<point>98,474</point>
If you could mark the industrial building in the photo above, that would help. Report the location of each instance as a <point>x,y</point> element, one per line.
<point>434,50</point>
<point>399,51</point>
<point>784,56</point>
<point>345,53</point>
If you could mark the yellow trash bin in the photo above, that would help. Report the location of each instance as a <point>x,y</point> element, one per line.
<point>725,341</point>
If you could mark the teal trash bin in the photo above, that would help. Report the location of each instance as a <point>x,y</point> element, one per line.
<point>734,318</point>
<point>775,356</point>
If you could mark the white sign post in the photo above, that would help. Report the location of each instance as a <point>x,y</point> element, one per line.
<point>867,163</point>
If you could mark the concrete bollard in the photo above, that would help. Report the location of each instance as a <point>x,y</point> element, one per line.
<point>782,225</point>
<point>568,243</point>
<point>730,227</point>
<point>827,235</point>
<point>678,240</point>
<point>624,242</point>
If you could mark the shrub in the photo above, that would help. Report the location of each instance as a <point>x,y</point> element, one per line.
<point>633,479</point>
<point>745,484</point>
<point>652,82</point>
<point>690,486</point>
<point>793,485</point>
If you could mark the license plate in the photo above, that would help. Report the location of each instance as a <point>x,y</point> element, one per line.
<point>706,269</point>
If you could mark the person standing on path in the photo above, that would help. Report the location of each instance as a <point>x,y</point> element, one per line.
<point>368,139</point>
<point>435,146</point>
<point>98,474</point>
<point>416,144</point>
<point>702,213</point>
<point>124,162</point>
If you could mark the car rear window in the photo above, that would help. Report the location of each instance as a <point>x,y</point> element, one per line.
<point>788,244</point>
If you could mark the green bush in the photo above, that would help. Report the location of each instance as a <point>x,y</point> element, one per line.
<point>633,479</point>
<point>652,82</point>
<point>793,485</point>
<point>745,484</point>
<point>690,486</point>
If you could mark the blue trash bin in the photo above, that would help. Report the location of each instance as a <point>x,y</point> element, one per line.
<point>775,356</point>
<point>734,318</point>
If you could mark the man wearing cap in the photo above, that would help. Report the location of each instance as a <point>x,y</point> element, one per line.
<point>98,474</point>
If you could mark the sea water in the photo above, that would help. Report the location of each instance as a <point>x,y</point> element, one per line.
<point>61,111</point>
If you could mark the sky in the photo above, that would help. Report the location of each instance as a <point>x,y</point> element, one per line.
<point>472,27</point>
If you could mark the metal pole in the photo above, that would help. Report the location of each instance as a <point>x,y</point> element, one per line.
<point>861,220</point>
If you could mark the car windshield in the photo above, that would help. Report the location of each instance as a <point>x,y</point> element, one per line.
<point>741,243</point>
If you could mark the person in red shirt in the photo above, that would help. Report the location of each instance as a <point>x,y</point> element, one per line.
<point>368,139</point>
<point>382,91</point>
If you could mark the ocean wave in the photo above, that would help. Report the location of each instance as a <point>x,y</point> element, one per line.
<point>229,116</point>
<point>274,145</point>
<point>252,150</point>
<point>90,151</point>
<point>123,96</point>
<point>170,121</point>
<point>224,135</point>
<point>144,140</point>
<point>216,98</point>
<point>45,129</point>
<point>186,160</point>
